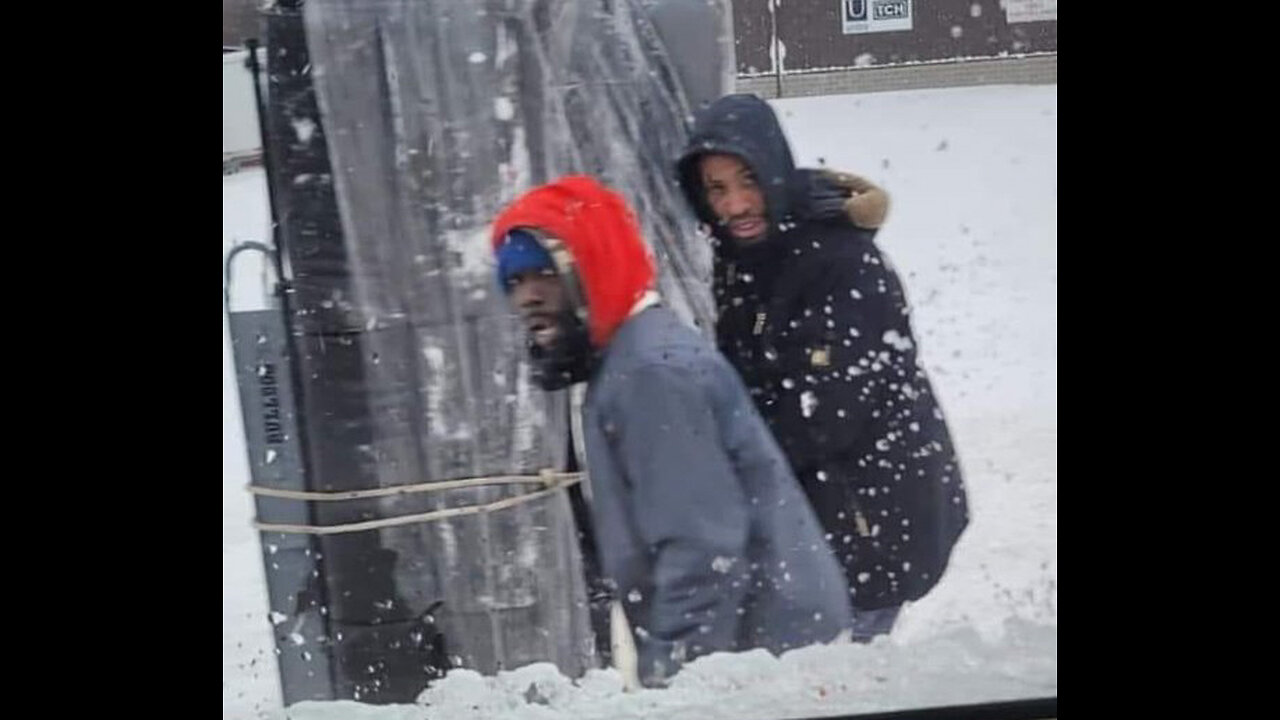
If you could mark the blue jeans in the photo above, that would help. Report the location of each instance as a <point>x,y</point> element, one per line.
<point>867,624</point>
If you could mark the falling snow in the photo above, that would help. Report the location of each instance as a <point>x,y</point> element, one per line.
<point>990,627</point>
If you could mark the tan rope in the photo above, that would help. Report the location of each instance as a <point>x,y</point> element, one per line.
<point>546,477</point>
<point>554,481</point>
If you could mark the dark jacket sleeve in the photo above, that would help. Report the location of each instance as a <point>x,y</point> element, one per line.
<point>846,355</point>
<point>689,510</point>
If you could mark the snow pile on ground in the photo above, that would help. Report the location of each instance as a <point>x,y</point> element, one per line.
<point>954,668</point>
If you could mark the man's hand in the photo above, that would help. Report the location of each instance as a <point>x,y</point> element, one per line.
<point>827,194</point>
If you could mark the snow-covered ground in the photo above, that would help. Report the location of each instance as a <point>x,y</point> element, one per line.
<point>973,232</point>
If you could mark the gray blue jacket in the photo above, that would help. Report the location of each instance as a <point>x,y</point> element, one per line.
<point>699,521</point>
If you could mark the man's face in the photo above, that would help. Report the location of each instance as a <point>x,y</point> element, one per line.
<point>539,296</point>
<point>735,197</point>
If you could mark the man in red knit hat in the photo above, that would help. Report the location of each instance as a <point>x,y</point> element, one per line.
<point>700,525</point>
